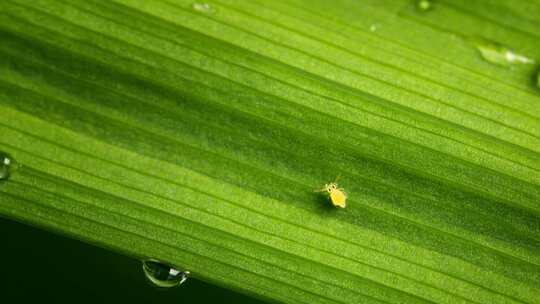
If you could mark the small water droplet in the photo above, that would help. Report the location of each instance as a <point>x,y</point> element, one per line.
<point>501,55</point>
<point>6,165</point>
<point>163,275</point>
<point>203,7</point>
<point>374,27</point>
<point>424,5</point>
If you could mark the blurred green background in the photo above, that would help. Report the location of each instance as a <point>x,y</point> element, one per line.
<point>46,267</point>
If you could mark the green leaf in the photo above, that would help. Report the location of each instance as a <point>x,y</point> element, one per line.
<point>195,133</point>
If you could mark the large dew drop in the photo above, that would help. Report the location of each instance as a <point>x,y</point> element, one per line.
<point>163,275</point>
<point>500,54</point>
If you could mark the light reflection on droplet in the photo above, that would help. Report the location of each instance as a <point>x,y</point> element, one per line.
<point>163,275</point>
<point>501,55</point>
<point>6,165</point>
<point>203,7</point>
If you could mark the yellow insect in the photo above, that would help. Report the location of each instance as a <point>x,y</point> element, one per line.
<point>337,196</point>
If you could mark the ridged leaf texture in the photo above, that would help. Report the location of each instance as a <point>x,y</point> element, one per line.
<point>196,133</point>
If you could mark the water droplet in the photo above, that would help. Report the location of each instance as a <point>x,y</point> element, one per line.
<point>373,27</point>
<point>500,54</point>
<point>163,275</point>
<point>203,8</point>
<point>424,5</point>
<point>6,165</point>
